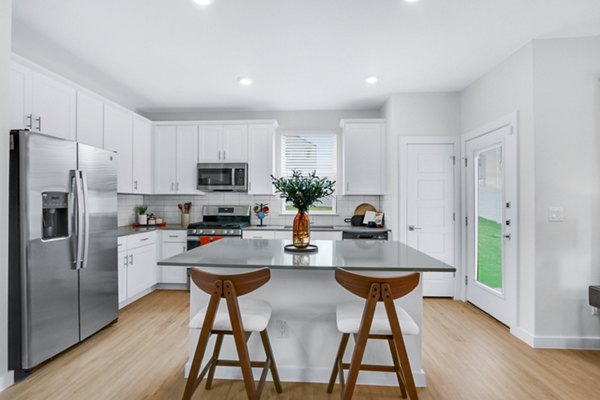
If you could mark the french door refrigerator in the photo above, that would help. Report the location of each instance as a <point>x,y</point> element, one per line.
<point>62,246</point>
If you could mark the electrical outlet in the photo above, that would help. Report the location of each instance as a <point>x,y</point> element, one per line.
<point>556,214</point>
<point>281,329</point>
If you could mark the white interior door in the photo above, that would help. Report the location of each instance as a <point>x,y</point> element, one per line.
<point>491,223</point>
<point>430,210</point>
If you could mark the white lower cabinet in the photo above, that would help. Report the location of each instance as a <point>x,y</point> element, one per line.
<point>287,235</point>
<point>173,243</point>
<point>137,265</point>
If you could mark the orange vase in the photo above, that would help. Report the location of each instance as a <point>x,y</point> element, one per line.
<point>301,228</point>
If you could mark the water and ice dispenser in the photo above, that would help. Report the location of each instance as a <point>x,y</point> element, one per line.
<point>55,215</point>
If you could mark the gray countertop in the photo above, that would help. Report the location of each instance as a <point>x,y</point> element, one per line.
<point>360,255</point>
<point>129,230</point>
<point>337,228</point>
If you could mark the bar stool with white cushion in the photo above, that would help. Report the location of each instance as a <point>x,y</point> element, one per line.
<point>239,318</point>
<point>378,317</point>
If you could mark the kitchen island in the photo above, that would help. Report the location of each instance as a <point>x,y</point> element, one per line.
<point>304,294</point>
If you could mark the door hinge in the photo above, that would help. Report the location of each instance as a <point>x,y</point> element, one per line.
<point>466,279</point>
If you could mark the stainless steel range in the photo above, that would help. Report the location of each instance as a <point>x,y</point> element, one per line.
<point>218,222</point>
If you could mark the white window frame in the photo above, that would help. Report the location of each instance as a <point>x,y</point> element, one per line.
<point>279,165</point>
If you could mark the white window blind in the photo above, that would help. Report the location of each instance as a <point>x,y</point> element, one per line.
<point>308,153</point>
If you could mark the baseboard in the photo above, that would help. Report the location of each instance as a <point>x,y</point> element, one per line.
<point>557,342</point>
<point>6,380</point>
<point>172,286</point>
<point>317,375</point>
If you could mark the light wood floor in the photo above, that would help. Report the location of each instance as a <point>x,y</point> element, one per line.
<point>467,355</point>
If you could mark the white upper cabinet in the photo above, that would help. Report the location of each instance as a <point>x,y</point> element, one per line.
<point>209,143</point>
<point>175,159</point>
<point>41,103</point>
<point>118,136</point>
<point>53,105</point>
<point>165,159</point>
<point>223,143</point>
<point>90,119</point>
<point>261,158</point>
<point>142,156</point>
<point>363,157</point>
<point>235,143</point>
<point>187,159</point>
<point>20,97</point>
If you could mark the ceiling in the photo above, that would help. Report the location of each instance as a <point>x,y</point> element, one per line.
<point>172,55</point>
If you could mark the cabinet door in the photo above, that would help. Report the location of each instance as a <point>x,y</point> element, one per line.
<point>261,159</point>
<point>235,143</point>
<point>364,155</point>
<point>90,119</point>
<point>187,159</point>
<point>118,136</point>
<point>258,234</point>
<point>165,163</point>
<point>141,271</point>
<point>53,107</point>
<point>173,274</point>
<point>142,156</point>
<point>20,97</point>
<point>123,261</point>
<point>209,143</point>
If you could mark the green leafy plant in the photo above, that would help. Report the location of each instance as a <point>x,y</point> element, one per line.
<point>141,210</point>
<point>303,191</point>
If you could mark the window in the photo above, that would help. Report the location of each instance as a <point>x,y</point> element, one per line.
<point>308,152</point>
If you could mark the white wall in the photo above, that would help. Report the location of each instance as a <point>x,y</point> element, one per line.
<point>5,42</point>
<point>414,114</point>
<point>504,90</point>
<point>567,167</point>
<point>310,120</point>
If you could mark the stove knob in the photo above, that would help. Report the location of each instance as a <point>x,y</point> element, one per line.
<point>199,231</point>
<point>212,232</point>
<point>194,231</point>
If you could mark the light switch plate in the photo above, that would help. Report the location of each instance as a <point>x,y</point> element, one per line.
<point>556,214</point>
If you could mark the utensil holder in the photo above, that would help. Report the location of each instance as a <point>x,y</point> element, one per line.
<point>185,220</point>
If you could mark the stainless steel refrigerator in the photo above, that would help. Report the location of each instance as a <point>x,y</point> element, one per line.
<point>62,245</point>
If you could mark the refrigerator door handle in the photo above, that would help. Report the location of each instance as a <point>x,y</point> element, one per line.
<point>73,229</point>
<point>86,220</point>
<point>80,219</point>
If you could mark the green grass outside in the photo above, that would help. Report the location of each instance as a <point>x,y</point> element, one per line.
<point>489,263</point>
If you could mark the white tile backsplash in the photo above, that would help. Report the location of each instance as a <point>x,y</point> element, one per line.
<point>126,207</point>
<point>165,206</point>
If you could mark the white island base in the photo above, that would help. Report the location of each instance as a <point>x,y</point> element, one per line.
<point>303,329</point>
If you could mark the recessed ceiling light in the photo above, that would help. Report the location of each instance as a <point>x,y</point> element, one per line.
<point>203,2</point>
<point>245,81</point>
<point>371,79</point>
<point>411,1</point>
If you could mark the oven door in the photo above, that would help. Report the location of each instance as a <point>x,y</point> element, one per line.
<point>193,242</point>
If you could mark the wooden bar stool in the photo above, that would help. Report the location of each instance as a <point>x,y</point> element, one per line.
<point>368,321</point>
<point>240,320</point>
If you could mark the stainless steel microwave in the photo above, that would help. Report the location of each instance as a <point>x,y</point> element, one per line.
<point>223,177</point>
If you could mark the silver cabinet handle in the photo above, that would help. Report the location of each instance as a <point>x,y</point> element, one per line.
<point>135,184</point>
<point>29,118</point>
<point>126,262</point>
<point>144,239</point>
<point>184,249</point>
<point>250,186</point>
<point>414,228</point>
<point>224,158</point>
<point>347,186</point>
<point>177,186</point>
<point>39,121</point>
<point>131,259</point>
<point>219,155</point>
<point>173,236</point>
<point>172,186</point>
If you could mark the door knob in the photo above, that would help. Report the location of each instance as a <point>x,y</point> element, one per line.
<point>414,228</point>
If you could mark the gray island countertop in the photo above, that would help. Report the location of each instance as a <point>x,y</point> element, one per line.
<point>358,255</point>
